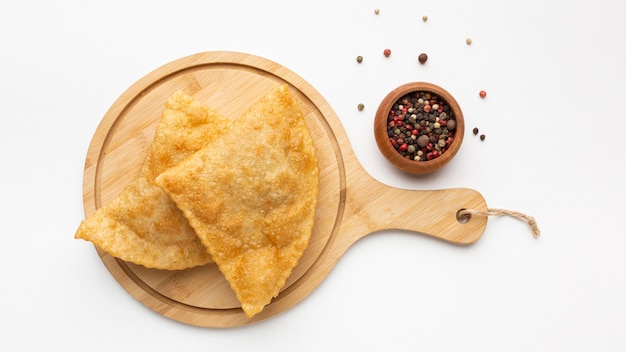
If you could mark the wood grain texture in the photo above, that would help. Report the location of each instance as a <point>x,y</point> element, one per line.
<point>351,204</point>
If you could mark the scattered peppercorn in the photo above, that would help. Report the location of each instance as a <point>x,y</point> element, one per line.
<point>387,52</point>
<point>422,58</point>
<point>482,93</point>
<point>377,11</point>
<point>359,59</point>
<point>421,126</point>
<point>475,130</point>
<point>482,137</point>
<point>424,18</point>
<point>468,41</point>
<point>360,106</point>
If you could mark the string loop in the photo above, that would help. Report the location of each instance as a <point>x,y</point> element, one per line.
<point>465,213</point>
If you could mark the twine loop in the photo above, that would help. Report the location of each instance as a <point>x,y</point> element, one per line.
<point>466,213</point>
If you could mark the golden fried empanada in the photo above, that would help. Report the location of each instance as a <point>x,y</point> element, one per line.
<point>251,196</point>
<point>142,225</point>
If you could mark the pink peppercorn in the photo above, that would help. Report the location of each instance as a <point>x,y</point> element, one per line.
<point>482,93</point>
<point>403,147</point>
<point>387,52</point>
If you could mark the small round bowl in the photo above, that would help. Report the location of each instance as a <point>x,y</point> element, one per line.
<point>392,154</point>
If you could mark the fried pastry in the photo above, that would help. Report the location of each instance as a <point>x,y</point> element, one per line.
<point>251,196</point>
<point>142,225</point>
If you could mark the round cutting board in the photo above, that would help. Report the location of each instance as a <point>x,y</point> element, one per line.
<point>230,83</point>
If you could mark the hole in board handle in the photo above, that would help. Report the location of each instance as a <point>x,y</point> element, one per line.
<point>462,216</point>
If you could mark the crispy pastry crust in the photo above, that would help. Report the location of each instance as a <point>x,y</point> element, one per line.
<point>142,225</point>
<point>251,196</point>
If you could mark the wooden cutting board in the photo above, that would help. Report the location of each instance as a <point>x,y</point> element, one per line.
<point>351,203</point>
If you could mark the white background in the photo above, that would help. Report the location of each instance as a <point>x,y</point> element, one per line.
<point>555,74</point>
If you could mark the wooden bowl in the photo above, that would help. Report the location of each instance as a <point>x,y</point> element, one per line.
<point>389,151</point>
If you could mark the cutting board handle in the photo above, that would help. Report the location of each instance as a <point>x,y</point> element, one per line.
<point>373,206</point>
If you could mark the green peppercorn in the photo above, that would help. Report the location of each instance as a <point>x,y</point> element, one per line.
<point>360,106</point>
<point>359,59</point>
